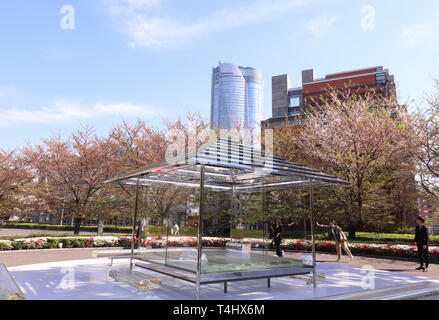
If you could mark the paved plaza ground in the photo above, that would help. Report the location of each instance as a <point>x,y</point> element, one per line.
<point>24,257</point>
<point>386,264</point>
<point>19,258</point>
<point>89,279</point>
<point>45,274</point>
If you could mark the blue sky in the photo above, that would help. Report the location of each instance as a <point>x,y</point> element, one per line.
<point>150,59</point>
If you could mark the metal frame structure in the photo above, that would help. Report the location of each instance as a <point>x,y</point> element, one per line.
<point>227,166</point>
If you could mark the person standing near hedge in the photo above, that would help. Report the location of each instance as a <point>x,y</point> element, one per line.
<point>277,230</point>
<point>421,241</point>
<point>339,237</point>
<point>176,229</point>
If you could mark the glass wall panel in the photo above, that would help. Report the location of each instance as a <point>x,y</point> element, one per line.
<point>236,227</point>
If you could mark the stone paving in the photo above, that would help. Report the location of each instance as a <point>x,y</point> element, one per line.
<point>400,266</point>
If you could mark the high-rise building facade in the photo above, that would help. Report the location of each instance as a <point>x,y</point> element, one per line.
<point>289,104</point>
<point>427,206</point>
<point>237,97</point>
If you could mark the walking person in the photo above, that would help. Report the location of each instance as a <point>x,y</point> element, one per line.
<point>277,230</point>
<point>176,229</point>
<point>339,237</point>
<point>344,244</point>
<point>421,241</point>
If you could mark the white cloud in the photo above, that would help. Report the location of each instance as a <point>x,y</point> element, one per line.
<point>6,91</point>
<point>145,28</point>
<point>320,26</point>
<point>66,111</point>
<point>55,54</point>
<point>124,109</point>
<point>420,32</point>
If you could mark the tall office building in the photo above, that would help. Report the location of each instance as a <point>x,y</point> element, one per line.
<point>290,104</point>
<point>237,98</point>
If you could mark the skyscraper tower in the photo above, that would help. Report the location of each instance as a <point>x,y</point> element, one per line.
<point>237,97</point>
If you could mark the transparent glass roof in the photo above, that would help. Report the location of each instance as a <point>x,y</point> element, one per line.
<point>229,166</point>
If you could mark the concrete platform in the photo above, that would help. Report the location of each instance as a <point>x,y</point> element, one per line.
<point>139,280</point>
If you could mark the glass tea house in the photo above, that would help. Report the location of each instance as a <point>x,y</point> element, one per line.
<point>223,188</point>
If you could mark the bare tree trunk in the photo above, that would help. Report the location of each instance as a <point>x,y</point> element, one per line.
<point>352,231</point>
<point>100,225</point>
<point>352,228</point>
<point>77,222</point>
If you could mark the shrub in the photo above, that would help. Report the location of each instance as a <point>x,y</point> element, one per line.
<point>74,242</point>
<point>51,243</point>
<point>5,245</point>
<point>22,244</point>
<point>155,231</point>
<point>390,238</point>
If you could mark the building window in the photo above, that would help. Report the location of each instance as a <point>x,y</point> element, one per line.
<point>295,101</point>
<point>295,111</point>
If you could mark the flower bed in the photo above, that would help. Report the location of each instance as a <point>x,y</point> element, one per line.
<point>390,250</point>
<point>56,242</point>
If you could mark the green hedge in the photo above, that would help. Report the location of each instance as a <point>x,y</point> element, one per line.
<point>361,237</point>
<point>156,231</point>
<point>368,237</point>
<point>38,226</point>
<point>38,235</point>
<point>390,238</point>
<point>150,230</point>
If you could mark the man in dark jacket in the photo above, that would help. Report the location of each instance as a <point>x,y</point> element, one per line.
<point>421,241</point>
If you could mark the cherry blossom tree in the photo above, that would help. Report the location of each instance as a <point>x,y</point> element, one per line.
<point>426,143</point>
<point>71,172</point>
<point>359,139</point>
<point>14,175</point>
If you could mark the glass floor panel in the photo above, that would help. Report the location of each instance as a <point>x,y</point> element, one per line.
<point>218,260</point>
